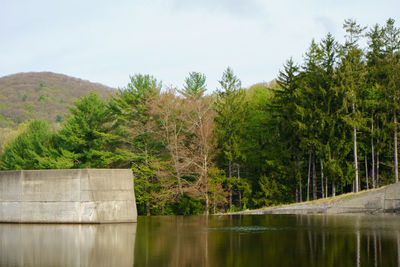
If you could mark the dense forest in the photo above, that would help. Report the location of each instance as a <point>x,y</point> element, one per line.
<point>325,126</point>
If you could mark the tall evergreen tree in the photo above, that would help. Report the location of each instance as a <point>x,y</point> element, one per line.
<point>391,40</point>
<point>310,104</point>
<point>351,73</point>
<point>90,134</point>
<point>139,143</point>
<point>374,101</point>
<point>230,111</point>
<point>195,85</point>
<point>285,103</point>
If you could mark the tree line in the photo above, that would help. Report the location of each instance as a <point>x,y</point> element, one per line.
<point>324,127</point>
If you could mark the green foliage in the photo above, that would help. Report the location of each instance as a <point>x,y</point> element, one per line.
<point>90,134</point>
<point>30,107</point>
<point>230,110</point>
<point>138,141</point>
<point>188,206</point>
<point>42,98</point>
<point>271,192</point>
<point>131,106</point>
<point>59,118</point>
<point>195,85</point>
<point>35,149</point>
<point>145,187</point>
<point>237,148</point>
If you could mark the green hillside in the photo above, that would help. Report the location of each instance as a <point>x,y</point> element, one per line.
<point>41,95</point>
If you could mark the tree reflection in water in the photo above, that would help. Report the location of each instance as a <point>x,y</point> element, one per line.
<point>268,240</point>
<point>248,240</point>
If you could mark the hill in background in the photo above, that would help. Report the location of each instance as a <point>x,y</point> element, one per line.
<point>42,95</point>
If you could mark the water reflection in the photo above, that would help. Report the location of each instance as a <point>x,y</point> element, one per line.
<point>251,240</point>
<point>67,245</point>
<point>268,240</point>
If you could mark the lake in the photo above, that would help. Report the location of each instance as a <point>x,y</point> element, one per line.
<point>237,240</point>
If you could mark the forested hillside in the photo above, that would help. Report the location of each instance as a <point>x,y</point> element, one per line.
<point>41,95</point>
<point>326,126</point>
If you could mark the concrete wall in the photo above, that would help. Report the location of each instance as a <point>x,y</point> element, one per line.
<point>67,196</point>
<point>386,199</point>
<point>382,200</point>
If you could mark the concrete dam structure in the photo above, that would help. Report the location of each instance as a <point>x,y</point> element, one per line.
<point>67,196</point>
<point>383,200</point>
<point>376,201</point>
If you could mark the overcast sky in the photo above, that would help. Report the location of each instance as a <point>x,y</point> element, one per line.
<point>106,41</point>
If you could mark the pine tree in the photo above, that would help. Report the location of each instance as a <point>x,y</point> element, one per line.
<point>309,106</point>
<point>287,119</point>
<point>90,133</point>
<point>195,85</point>
<point>391,38</point>
<point>139,143</point>
<point>374,101</point>
<point>351,73</point>
<point>230,111</point>
<point>34,149</point>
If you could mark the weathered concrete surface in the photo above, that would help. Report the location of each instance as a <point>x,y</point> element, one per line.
<point>383,200</point>
<point>386,199</point>
<point>67,196</point>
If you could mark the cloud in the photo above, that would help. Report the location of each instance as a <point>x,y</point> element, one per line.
<point>106,41</point>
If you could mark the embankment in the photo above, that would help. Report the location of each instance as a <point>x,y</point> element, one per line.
<point>382,200</point>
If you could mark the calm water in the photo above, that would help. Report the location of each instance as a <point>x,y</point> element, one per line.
<point>251,240</point>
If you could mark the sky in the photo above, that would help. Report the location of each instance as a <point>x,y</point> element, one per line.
<point>108,41</point>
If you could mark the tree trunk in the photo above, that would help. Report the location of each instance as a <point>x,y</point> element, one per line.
<point>355,155</point>
<point>322,179</point>
<point>206,204</point>
<point>355,188</point>
<point>308,176</point>
<point>176,160</point>
<point>230,199</point>
<point>396,164</point>
<point>300,190</point>
<point>333,189</point>
<point>366,171</point>
<point>178,177</point>
<point>326,186</point>
<point>147,207</point>
<point>301,194</point>
<point>205,181</point>
<point>240,193</point>
<point>314,179</point>
<point>372,152</point>
<point>214,202</point>
<point>377,169</point>
<point>147,165</point>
